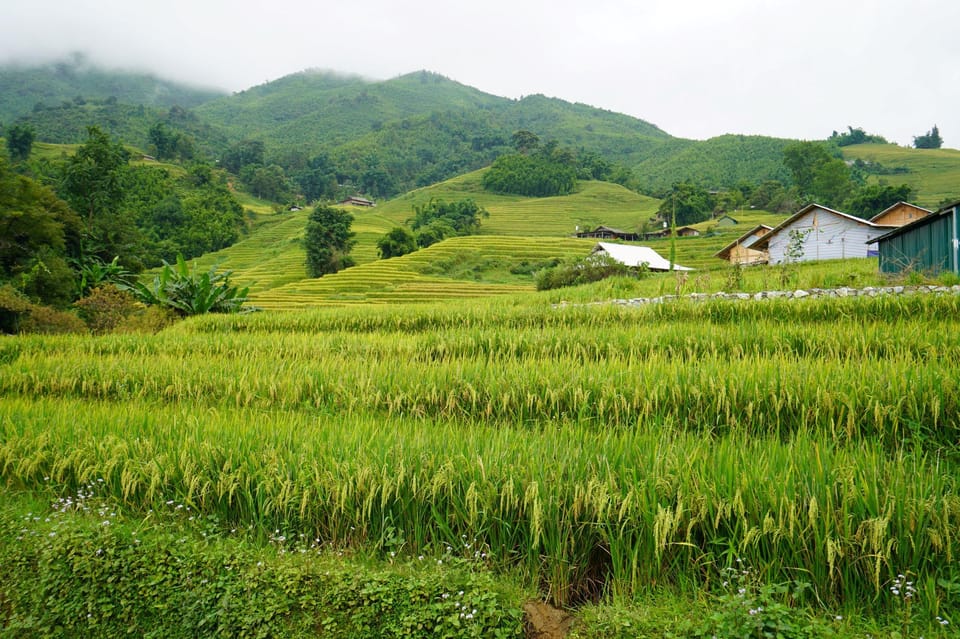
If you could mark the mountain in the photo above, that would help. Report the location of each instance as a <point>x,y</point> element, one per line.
<point>330,131</point>
<point>24,88</point>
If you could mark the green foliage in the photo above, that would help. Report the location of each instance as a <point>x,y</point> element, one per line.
<point>45,320</point>
<point>106,307</point>
<point>930,140</point>
<point>188,215</point>
<point>266,182</point>
<point>92,182</point>
<point>38,232</point>
<point>104,575</point>
<point>13,308</point>
<point>592,268</point>
<point>20,141</point>
<point>439,219</point>
<point>52,84</point>
<point>328,240</point>
<point>717,163</point>
<point>188,292</point>
<point>873,199</point>
<point>750,608</point>
<point>855,136</point>
<point>818,174</point>
<point>242,154</point>
<point>169,143</point>
<point>398,241</point>
<point>95,273</point>
<point>534,176</point>
<point>685,204</point>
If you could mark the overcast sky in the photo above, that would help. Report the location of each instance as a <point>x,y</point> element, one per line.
<point>695,68</point>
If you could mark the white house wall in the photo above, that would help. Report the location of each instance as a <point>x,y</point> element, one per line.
<point>829,237</point>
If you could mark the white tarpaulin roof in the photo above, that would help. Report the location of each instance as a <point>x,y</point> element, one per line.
<point>636,255</point>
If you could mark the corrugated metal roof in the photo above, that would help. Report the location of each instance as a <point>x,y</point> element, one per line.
<point>636,256</point>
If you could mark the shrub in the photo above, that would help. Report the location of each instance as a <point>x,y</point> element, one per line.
<point>13,307</point>
<point>592,268</point>
<point>50,321</point>
<point>105,308</point>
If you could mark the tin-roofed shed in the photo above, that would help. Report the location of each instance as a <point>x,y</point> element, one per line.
<point>930,244</point>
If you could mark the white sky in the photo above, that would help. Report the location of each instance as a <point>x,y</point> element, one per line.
<point>695,68</point>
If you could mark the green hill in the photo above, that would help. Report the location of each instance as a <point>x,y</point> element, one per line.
<point>26,87</point>
<point>933,173</point>
<point>521,236</point>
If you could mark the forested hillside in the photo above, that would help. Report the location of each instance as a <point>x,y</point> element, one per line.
<point>26,87</point>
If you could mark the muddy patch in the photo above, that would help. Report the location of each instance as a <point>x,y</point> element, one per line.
<point>543,621</point>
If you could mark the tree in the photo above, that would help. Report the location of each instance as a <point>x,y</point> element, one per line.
<point>804,159</point>
<point>831,183</point>
<point>931,140</point>
<point>398,241</point>
<point>20,141</point>
<point>328,240</point>
<point>92,183</point>
<point>38,233</point>
<point>525,141</point>
<point>242,154</point>
<point>688,202</point>
<point>164,139</point>
<point>875,198</point>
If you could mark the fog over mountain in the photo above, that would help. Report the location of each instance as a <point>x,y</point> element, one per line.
<point>695,68</point>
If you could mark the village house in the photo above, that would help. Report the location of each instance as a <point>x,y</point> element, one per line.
<point>357,201</point>
<point>741,250</point>
<point>609,233</point>
<point>900,214</point>
<point>816,232</point>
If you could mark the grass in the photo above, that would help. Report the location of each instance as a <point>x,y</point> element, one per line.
<point>933,173</point>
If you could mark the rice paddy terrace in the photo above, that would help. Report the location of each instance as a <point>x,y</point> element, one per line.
<point>520,236</point>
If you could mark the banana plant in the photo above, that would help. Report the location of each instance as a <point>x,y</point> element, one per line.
<point>188,292</point>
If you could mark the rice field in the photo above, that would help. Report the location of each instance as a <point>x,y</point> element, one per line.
<point>593,451</point>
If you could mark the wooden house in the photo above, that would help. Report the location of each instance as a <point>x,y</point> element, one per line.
<point>609,233</point>
<point>741,250</point>
<point>930,244</point>
<point>636,256</point>
<point>357,201</point>
<point>899,214</point>
<point>686,231</point>
<point>821,233</point>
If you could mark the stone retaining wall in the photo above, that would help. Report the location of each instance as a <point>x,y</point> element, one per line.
<point>813,293</point>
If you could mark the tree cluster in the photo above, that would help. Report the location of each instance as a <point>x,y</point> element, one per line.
<point>104,220</point>
<point>930,140</point>
<point>855,136</point>
<point>328,240</point>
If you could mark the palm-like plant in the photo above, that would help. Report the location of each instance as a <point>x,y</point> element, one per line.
<point>188,292</point>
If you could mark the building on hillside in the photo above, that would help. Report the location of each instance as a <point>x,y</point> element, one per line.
<point>726,220</point>
<point>740,251</point>
<point>899,214</point>
<point>820,233</point>
<point>930,244</point>
<point>609,233</point>
<point>636,256</point>
<point>686,231</point>
<point>357,201</point>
